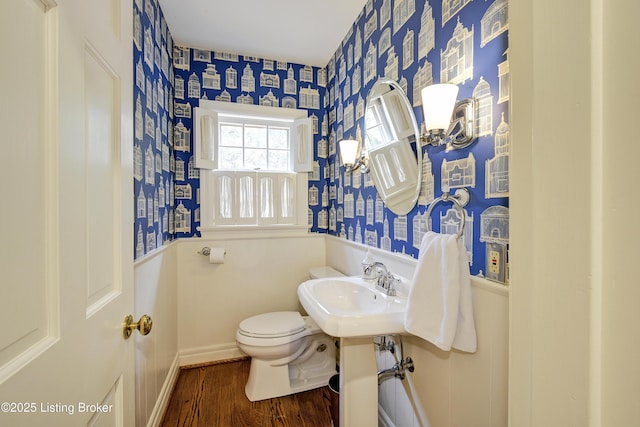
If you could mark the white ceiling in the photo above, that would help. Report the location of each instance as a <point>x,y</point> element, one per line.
<point>300,31</point>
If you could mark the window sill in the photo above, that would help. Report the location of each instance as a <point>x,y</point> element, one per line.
<point>218,232</point>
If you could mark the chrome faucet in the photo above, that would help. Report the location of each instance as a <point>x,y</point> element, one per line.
<point>384,279</point>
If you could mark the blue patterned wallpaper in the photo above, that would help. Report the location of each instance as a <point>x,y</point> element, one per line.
<point>419,43</point>
<point>413,42</point>
<point>153,152</point>
<point>202,74</point>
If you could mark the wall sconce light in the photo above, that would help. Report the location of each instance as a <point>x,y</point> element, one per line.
<point>352,155</point>
<point>447,121</point>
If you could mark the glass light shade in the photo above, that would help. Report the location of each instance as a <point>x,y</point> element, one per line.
<point>438,102</point>
<point>348,151</point>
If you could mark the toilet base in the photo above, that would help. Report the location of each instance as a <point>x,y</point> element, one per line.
<point>267,381</point>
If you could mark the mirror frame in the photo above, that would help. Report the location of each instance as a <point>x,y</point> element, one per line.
<point>406,204</point>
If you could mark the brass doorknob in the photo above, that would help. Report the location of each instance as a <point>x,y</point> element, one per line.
<point>143,325</point>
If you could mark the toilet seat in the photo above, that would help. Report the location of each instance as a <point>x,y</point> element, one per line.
<point>273,325</point>
<point>272,329</point>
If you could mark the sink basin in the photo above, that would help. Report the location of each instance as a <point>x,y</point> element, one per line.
<point>352,307</point>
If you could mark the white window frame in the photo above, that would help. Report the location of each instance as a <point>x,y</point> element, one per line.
<point>206,120</point>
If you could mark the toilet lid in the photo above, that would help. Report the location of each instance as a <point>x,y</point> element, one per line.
<point>276,324</point>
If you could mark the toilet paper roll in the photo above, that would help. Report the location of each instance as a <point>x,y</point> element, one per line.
<point>216,256</point>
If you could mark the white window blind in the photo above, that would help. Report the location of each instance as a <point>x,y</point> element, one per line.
<point>254,198</point>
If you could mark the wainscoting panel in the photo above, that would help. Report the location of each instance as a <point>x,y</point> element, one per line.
<point>258,275</point>
<point>156,355</point>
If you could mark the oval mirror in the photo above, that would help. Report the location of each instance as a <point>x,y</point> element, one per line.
<point>394,159</point>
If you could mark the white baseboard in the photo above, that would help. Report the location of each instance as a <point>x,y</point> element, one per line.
<point>165,394</point>
<point>211,353</point>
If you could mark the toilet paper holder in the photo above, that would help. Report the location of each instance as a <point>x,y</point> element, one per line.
<point>206,251</point>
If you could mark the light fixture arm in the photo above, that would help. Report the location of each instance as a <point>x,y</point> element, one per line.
<point>360,163</point>
<point>434,137</point>
<point>353,155</point>
<point>462,129</point>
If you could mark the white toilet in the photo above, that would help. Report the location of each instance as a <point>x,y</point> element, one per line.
<point>289,352</point>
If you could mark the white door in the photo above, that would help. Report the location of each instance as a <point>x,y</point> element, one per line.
<point>66,272</point>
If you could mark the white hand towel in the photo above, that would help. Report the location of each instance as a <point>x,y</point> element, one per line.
<point>440,309</point>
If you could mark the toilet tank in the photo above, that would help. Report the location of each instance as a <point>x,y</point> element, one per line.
<point>324,271</point>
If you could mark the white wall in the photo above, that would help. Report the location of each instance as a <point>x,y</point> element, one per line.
<point>446,388</point>
<point>574,253</point>
<point>156,363</point>
<point>260,274</point>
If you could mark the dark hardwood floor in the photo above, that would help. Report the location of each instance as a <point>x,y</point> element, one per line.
<point>213,395</point>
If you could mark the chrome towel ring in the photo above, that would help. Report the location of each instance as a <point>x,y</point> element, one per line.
<point>459,200</point>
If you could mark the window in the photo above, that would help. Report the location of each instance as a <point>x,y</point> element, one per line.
<point>254,162</point>
<point>252,144</point>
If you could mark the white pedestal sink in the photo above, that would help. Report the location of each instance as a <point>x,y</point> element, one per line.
<point>354,310</point>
